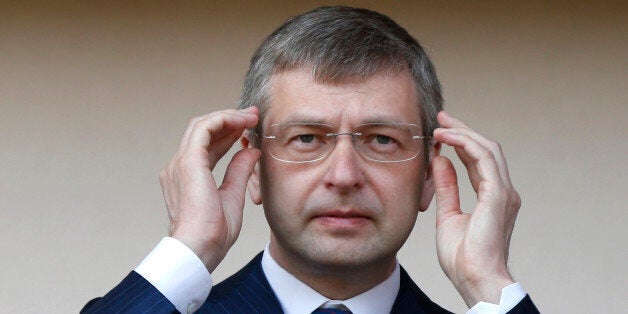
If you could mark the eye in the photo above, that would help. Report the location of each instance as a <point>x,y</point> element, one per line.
<point>381,143</point>
<point>383,139</point>
<point>306,138</point>
<point>301,134</point>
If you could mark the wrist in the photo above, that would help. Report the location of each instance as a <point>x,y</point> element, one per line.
<point>484,289</point>
<point>210,254</point>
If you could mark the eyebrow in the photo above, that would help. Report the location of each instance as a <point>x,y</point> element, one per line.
<point>386,119</point>
<point>305,118</point>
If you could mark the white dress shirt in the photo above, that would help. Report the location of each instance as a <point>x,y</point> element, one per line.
<point>183,279</point>
<point>296,297</point>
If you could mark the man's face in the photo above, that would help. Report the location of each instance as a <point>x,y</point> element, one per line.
<point>343,210</point>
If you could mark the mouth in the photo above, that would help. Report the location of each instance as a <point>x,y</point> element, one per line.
<point>339,218</point>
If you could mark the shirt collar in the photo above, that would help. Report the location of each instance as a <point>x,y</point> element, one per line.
<point>297,297</point>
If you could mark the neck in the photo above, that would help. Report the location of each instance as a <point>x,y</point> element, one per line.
<point>336,281</point>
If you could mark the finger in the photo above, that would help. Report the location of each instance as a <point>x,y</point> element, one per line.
<point>455,125</point>
<point>233,188</point>
<point>447,121</point>
<point>479,161</point>
<point>468,161</point>
<point>204,128</point>
<point>193,121</point>
<point>218,133</point>
<point>492,146</point>
<point>188,130</point>
<point>446,189</point>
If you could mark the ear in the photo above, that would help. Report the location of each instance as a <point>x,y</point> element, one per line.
<point>428,184</point>
<point>253,183</point>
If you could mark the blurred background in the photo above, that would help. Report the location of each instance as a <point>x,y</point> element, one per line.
<point>95,95</point>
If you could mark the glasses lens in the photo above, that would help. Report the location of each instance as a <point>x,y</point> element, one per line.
<point>299,142</point>
<point>388,142</point>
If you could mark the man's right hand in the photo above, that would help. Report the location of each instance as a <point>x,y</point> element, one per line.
<point>204,217</point>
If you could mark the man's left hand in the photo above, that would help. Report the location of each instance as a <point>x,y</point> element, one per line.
<point>473,247</point>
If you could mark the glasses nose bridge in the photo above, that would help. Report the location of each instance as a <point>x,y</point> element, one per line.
<point>352,134</point>
<point>354,140</point>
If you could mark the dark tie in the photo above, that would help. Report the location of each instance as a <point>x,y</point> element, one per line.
<point>330,311</point>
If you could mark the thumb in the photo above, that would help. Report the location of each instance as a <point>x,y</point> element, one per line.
<point>446,189</point>
<point>233,187</point>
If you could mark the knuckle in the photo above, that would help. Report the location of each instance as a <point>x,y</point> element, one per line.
<point>193,121</point>
<point>495,146</point>
<point>163,175</point>
<point>487,154</point>
<point>503,195</point>
<point>516,200</point>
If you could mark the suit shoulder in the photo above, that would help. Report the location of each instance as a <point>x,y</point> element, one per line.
<point>248,275</point>
<point>411,299</point>
<point>246,291</point>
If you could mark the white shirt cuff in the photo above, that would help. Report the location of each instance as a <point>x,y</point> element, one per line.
<point>511,296</point>
<point>178,274</point>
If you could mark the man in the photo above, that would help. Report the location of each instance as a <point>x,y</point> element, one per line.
<point>339,119</point>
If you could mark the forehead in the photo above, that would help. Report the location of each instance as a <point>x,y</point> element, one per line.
<point>387,96</point>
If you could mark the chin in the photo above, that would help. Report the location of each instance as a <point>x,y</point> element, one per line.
<point>345,254</point>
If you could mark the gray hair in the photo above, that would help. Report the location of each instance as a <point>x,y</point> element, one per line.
<point>340,44</point>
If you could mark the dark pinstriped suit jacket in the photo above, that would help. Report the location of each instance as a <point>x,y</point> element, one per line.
<point>248,291</point>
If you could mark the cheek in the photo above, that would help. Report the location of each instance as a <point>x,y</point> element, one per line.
<point>402,186</point>
<point>402,201</point>
<point>282,190</point>
<point>400,195</point>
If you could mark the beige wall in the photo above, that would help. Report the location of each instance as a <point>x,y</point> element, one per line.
<point>94,98</point>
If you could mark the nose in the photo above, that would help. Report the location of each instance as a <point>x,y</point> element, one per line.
<point>345,171</point>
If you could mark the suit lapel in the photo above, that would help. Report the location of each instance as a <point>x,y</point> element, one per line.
<point>412,300</point>
<point>247,291</point>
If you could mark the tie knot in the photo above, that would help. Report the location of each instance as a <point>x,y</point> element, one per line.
<point>331,311</point>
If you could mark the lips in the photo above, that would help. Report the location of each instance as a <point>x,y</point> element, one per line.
<point>342,218</point>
